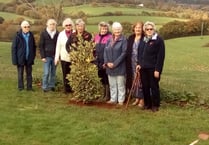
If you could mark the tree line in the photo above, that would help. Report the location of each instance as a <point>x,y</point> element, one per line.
<point>52,10</point>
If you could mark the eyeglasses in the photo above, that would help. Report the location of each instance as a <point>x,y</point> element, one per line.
<point>68,25</point>
<point>149,29</point>
<point>26,27</point>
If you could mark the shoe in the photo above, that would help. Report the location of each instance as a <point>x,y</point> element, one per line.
<point>135,102</point>
<point>30,89</point>
<point>140,105</point>
<point>155,109</point>
<point>53,89</point>
<point>111,102</point>
<point>146,108</point>
<point>120,103</point>
<point>46,90</point>
<point>20,89</point>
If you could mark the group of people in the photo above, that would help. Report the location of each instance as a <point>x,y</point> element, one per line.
<point>120,60</point>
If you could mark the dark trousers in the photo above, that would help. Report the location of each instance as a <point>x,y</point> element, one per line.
<point>150,86</point>
<point>104,78</point>
<point>66,70</point>
<point>28,70</point>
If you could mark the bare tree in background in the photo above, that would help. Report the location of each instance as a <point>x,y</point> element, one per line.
<point>46,9</point>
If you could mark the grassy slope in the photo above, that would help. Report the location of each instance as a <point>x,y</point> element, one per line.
<point>186,65</point>
<point>10,16</point>
<point>88,9</point>
<point>38,118</point>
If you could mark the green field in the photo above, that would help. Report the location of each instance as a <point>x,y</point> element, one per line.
<point>37,118</point>
<point>89,10</point>
<point>3,1</point>
<point>131,19</point>
<point>186,65</point>
<point>12,16</point>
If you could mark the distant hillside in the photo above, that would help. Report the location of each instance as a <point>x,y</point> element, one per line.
<point>193,1</point>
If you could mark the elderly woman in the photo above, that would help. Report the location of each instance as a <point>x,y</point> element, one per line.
<point>101,40</point>
<point>114,62</point>
<point>23,54</point>
<point>47,45</point>
<point>150,62</point>
<point>72,42</point>
<point>62,54</point>
<point>134,40</point>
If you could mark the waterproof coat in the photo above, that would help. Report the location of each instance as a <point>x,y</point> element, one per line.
<point>101,41</point>
<point>129,69</point>
<point>19,49</point>
<point>115,52</point>
<point>151,53</point>
<point>47,44</point>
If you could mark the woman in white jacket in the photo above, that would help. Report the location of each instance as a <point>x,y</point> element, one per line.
<point>62,54</point>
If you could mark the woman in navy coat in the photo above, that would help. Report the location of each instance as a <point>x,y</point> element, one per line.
<point>151,56</point>
<point>23,54</point>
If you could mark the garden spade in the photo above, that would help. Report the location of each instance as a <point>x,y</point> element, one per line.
<point>201,136</point>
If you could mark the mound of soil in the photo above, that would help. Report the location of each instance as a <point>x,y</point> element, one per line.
<point>99,104</point>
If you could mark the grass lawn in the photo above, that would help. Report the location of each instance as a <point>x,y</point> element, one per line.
<point>89,10</point>
<point>12,16</point>
<point>37,118</point>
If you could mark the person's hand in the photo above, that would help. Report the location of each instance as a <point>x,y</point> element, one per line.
<point>56,61</point>
<point>110,65</point>
<point>138,67</point>
<point>104,66</point>
<point>43,59</point>
<point>156,74</point>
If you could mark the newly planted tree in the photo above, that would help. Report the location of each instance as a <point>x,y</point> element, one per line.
<point>83,75</point>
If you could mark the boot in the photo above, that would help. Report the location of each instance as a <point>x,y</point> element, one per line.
<point>106,92</point>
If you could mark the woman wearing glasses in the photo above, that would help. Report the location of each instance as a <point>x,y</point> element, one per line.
<point>72,42</point>
<point>150,63</point>
<point>62,54</point>
<point>23,54</point>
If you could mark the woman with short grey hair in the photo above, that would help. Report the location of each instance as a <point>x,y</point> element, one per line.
<point>101,40</point>
<point>114,62</point>
<point>151,57</point>
<point>62,54</point>
<point>23,54</point>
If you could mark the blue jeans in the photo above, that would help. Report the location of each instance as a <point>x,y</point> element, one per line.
<point>117,88</point>
<point>49,75</point>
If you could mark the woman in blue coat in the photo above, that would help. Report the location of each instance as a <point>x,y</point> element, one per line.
<point>23,54</point>
<point>114,62</point>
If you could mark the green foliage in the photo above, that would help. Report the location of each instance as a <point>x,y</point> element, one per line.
<point>176,29</point>
<point>179,98</point>
<point>1,20</point>
<point>127,28</point>
<point>37,118</point>
<point>85,83</point>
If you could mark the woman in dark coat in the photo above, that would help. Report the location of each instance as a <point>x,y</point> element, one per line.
<point>23,54</point>
<point>101,40</point>
<point>134,40</point>
<point>151,57</point>
<point>72,42</point>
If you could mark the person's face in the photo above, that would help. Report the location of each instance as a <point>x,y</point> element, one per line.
<point>26,28</point>
<point>149,31</point>
<point>117,32</point>
<point>80,28</point>
<point>138,29</point>
<point>103,30</point>
<point>68,27</point>
<point>51,26</point>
